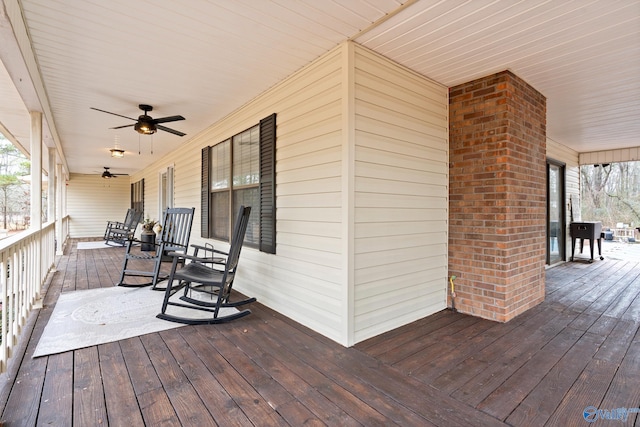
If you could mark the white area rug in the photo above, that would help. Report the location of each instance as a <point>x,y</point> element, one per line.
<point>95,245</point>
<point>96,316</point>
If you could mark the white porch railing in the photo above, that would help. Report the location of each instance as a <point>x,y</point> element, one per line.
<point>25,261</point>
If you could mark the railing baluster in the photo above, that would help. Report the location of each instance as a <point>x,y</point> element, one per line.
<point>25,262</point>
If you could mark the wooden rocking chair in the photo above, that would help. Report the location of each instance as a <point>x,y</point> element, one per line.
<point>174,237</point>
<point>120,232</point>
<point>212,283</point>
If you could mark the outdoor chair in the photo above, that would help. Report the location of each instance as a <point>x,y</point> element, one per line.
<point>174,237</point>
<point>119,232</point>
<point>207,288</point>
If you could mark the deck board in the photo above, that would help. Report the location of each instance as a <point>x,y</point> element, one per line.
<point>580,347</point>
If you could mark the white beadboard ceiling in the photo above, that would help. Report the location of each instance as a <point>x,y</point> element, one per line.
<point>204,59</point>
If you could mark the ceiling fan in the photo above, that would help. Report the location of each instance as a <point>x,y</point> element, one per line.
<point>147,125</point>
<point>108,175</point>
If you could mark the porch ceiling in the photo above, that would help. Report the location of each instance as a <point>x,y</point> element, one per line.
<point>205,59</point>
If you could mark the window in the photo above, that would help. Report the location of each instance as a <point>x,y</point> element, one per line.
<point>165,189</point>
<point>137,196</point>
<point>241,171</point>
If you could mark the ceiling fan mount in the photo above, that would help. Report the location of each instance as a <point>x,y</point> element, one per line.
<point>145,124</point>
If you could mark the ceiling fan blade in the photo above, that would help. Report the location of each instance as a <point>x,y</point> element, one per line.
<point>173,131</point>
<point>125,126</point>
<point>109,112</point>
<point>168,119</point>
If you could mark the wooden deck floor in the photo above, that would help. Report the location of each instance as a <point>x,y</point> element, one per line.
<point>580,348</point>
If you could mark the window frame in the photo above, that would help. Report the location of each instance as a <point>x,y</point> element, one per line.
<point>266,188</point>
<point>137,195</point>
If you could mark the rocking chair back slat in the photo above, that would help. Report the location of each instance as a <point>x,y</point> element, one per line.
<point>174,237</point>
<point>200,278</point>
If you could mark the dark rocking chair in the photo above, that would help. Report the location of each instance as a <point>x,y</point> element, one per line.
<point>119,232</point>
<point>174,237</point>
<point>214,284</point>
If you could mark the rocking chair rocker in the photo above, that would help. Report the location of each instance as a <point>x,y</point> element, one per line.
<point>209,282</point>
<point>176,230</point>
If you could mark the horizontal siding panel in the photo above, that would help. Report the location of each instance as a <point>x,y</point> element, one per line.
<point>430,254</point>
<point>610,156</point>
<point>395,228</point>
<point>388,214</point>
<point>434,115</point>
<point>321,243</point>
<point>405,311</point>
<point>383,186</point>
<point>310,214</point>
<point>373,154</point>
<point>386,72</point>
<point>384,115</point>
<point>324,113</point>
<point>406,284</point>
<point>373,170</point>
<point>402,201</point>
<point>425,148</point>
<point>380,273</point>
<point>319,185</point>
<point>330,155</point>
<point>389,130</point>
<point>420,242</point>
<point>367,326</point>
<point>310,200</point>
<point>327,229</point>
<point>319,258</point>
<point>317,143</point>
<point>309,174</point>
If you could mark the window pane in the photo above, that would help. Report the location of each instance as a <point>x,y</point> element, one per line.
<point>220,165</point>
<point>220,215</point>
<point>249,197</point>
<point>246,157</point>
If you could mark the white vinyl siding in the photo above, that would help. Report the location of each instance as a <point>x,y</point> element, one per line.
<point>91,199</point>
<point>569,157</point>
<point>392,138</point>
<point>610,156</point>
<point>401,196</point>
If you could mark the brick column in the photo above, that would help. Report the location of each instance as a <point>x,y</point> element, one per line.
<point>497,196</point>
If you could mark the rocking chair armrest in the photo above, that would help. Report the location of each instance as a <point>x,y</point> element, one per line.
<point>209,248</point>
<point>202,260</point>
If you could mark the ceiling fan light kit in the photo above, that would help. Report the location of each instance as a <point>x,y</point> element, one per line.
<point>116,152</point>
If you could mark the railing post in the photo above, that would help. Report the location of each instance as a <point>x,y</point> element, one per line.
<point>36,182</point>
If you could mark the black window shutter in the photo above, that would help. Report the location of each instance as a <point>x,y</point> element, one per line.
<point>204,194</point>
<point>268,184</point>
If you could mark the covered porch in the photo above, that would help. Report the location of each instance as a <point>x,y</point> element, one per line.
<point>577,349</point>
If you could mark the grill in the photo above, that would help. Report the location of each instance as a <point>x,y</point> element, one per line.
<point>591,230</point>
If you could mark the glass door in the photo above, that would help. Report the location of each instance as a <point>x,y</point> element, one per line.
<point>556,227</point>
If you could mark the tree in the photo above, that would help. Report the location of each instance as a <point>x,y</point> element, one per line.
<point>14,192</point>
<point>611,193</point>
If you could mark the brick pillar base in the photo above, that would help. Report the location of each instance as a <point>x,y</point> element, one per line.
<point>497,196</point>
